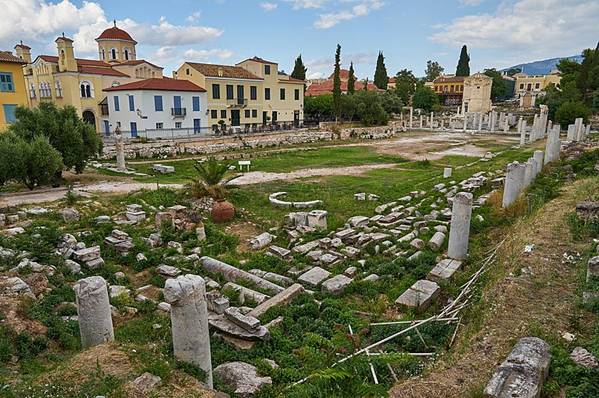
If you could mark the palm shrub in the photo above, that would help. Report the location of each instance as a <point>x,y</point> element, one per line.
<point>211,179</point>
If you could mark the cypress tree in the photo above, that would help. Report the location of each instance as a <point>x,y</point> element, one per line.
<point>463,68</point>
<point>299,70</point>
<point>351,80</point>
<point>381,79</point>
<point>337,84</point>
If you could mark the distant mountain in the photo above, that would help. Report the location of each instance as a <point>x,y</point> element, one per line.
<point>543,67</point>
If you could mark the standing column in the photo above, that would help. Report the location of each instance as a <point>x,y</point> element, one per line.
<point>529,172</point>
<point>552,145</point>
<point>93,311</point>
<point>411,118</point>
<point>431,120</point>
<point>506,126</point>
<point>533,131</point>
<point>421,121</point>
<point>459,231</point>
<point>578,129</point>
<point>120,151</point>
<point>480,122</point>
<point>189,319</point>
<point>465,122</point>
<point>522,132</point>
<point>513,183</point>
<point>520,125</point>
<point>538,157</point>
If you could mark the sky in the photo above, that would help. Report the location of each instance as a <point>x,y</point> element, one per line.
<point>498,33</point>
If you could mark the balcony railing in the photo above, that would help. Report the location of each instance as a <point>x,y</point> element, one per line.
<point>237,102</point>
<point>178,112</point>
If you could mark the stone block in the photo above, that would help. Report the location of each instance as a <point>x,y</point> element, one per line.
<point>314,276</point>
<point>336,284</point>
<point>419,295</point>
<point>444,270</point>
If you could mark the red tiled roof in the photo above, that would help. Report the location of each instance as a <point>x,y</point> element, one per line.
<point>327,88</point>
<point>138,62</point>
<point>290,79</point>
<point>89,66</point>
<point>7,56</point>
<point>392,79</point>
<point>258,59</point>
<point>23,46</point>
<point>449,79</point>
<point>115,33</point>
<point>92,70</point>
<point>343,75</point>
<point>161,84</point>
<point>228,71</point>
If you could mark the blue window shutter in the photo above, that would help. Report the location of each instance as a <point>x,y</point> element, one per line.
<point>196,104</point>
<point>116,103</point>
<point>177,102</point>
<point>131,103</point>
<point>9,113</point>
<point>158,103</point>
<point>6,82</point>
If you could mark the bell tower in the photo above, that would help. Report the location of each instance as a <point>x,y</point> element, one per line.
<point>66,55</point>
<point>116,46</point>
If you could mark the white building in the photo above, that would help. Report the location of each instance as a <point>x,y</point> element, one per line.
<point>159,107</point>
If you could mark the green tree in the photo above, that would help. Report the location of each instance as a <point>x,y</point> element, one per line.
<point>299,70</point>
<point>425,98</point>
<point>391,101</point>
<point>498,87</point>
<point>381,78</point>
<point>319,108</point>
<point>370,110</point>
<point>43,163</point>
<point>405,85</point>
<point>463,68</point>
<point>337,84</point>
<point>433,70</point>
<point>76,140</point>
<point>13,153</point>
<point>349,107</point>
<point>351,80</point>
<point>569,111</point>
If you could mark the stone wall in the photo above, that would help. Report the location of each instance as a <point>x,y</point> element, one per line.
<point>209,146</point>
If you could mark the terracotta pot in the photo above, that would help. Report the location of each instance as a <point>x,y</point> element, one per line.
<point>222,211</point>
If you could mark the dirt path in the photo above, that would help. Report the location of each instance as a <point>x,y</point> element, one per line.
<point>257,177</point>
<point>543,295</point>
<point>51,195</point>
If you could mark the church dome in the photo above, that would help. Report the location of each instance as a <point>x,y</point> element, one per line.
<point>115,33</point>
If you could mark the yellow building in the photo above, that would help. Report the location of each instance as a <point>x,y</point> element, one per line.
<point>450,89</point>
<point>248,94</point>
<point>12,87</point>
<point>529,87</point>
<point>66,80</point>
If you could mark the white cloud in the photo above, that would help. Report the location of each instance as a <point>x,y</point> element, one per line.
<point>323,67</point>
<point>193,17</point>
<point>206,55</point>
<point>269,6</point>
<point>470,2</point>
<point>328,20</point>
<point>303,4</point>
<point>39,22</point>
<point>527,28</point>
<point>315,75</point>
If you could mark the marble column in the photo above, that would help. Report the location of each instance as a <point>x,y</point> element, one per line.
<point>538,157</point>
<point>411,118</point>
<point>459,232</point>
<point>93,311</point>
<point>513,183</point>
<point>189,318</point>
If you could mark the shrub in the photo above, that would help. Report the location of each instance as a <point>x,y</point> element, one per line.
<point>570,110</point>
<point>75,139</point>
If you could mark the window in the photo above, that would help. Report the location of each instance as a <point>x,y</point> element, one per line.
<point>247,113</point>
<point>126,54</point>
<point>529,87</point>
<point>267,69</point>
<point>178,125</point>
<point>159,126</point>
<point>229,91</point>
<point>9,113</point>
<point>6,82</point>
<point>195,103</point>
<point>87,90</point>
<point>131,103</point>
<point>187,71</point>
<point>297,94</point>
<point>254,113</point>
<point>282,94</point>
<point>32,91</point>
<point>214,114</point>
<point>58,89</point>
<point>267,94</point>
<point>158,103</point>
<point>113,53</point>
<point>521,86</point>
<point>253,93</point>
<point>216,91</point>
<point>240,93</point>
<point>223,114</point>
<point>103,55</point>
<point>537,86</point>
<point>45,91</point>
<point>116,104</point>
